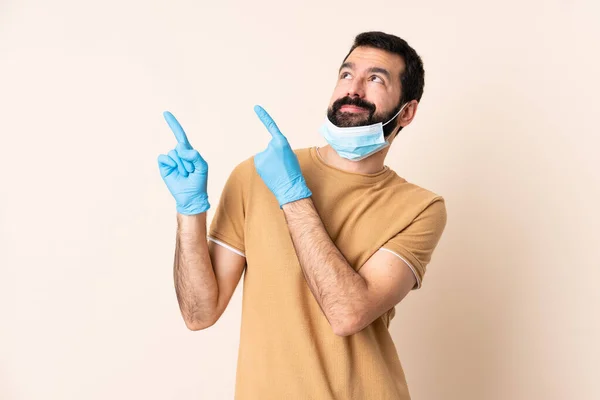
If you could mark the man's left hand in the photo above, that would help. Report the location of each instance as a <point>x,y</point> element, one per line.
<point>278,165</point>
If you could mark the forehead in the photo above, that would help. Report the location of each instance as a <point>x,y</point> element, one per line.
<point>367,57</point>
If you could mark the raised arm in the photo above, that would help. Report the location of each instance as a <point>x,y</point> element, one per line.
<point>205,278</point>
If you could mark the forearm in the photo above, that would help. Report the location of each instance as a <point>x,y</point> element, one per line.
<point>195,282</point>
<point>338,289</point>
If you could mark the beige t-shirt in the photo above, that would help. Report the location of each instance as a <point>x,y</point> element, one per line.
<point>287,348</point>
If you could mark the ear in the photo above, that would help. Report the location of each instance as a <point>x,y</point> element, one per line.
<point>408,114</point>
<point>405,118</point>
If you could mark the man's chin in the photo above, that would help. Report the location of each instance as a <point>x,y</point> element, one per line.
<point>349,120</point>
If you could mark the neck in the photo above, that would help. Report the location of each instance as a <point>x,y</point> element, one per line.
<point>370,165</point>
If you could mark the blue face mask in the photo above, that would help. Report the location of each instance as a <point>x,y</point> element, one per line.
<point>356,143</point>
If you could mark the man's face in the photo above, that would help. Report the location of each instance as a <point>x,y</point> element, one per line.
<point>368,88</point>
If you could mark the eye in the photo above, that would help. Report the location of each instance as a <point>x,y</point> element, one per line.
<point>379,80</point>
<point>344,75</point>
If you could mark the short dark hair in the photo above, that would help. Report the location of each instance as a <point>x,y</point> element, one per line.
<point>412,78</point>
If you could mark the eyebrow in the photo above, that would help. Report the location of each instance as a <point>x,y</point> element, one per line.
<point>382,71</point>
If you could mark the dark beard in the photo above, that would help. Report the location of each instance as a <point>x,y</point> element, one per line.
<point>346,119</point>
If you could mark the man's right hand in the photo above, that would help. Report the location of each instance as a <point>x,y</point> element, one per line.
<point>185,172</point>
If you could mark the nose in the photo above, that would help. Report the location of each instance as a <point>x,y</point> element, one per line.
<point>356,88</point>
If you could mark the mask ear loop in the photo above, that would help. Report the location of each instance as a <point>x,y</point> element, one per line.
<point>391,119</point>
<point>401,108</point>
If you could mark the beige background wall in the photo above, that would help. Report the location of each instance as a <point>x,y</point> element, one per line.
<point>507,131</point>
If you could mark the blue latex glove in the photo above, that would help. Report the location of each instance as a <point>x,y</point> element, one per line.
<point>278,165</point>
<point>185,172</point>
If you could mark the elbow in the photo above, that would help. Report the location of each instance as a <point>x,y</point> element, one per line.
<point>343,332</point>
<point>347,327</point>
<point>200,325</point>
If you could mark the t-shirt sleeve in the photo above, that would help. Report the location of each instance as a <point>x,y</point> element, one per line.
<point>415,243</point>
<point>227,226</point>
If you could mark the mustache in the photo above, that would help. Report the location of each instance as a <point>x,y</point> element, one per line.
<point>352,101</point>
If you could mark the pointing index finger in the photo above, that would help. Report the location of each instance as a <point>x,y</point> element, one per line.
<point>267,121</point>
<point>177,129</point>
